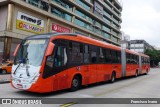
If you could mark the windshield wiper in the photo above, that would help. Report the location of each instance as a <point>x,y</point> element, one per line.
<point>20,62</point>
<point>23,61</point>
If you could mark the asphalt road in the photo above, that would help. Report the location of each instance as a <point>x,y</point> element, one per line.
<point>144,86</point>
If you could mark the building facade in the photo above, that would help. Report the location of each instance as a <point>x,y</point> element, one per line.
<point>140,46</point>
<point>125,42</point>
<point>99,19</point>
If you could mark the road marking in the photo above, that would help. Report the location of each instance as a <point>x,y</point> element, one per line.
<point>68,104</point>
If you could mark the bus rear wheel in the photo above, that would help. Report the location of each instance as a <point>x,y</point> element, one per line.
<point>136,75</point>
<point>75,84</point>
<point>146,72</point>
<point>113,77</point>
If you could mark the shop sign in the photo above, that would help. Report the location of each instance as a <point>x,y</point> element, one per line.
<point>29,23</point>
<point>58,28</point>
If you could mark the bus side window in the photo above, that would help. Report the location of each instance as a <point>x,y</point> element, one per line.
<point>86,54</point>
<point>142,60</point>
<point>108,56</point>
<point>119,57</point>
<point>60,58</point>
<point>93,54</point>
<point>128,58</point>
<point>132,59</point>
<point>101,55</point>
<point>115,56</point>
<point>75,53</point>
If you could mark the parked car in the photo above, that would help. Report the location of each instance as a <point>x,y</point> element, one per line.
<point>6,67</point>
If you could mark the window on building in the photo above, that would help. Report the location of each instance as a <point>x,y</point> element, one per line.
<point>83,24</point>
<point>115,33</point>
<point>81,3</point>
<point>64,4</point>
<point>98,31</point>
<point>106,20</point>
<point>44,6</point>
<point>106,28</point>
<point>115,26</point>
<point>83,15</point>
<point>114,39</point>
<point>97,24</point>
<point>106,35</point>
<point>106,13</point>
<point>39,3</point>
<point>61,14</point>
<point>115,20</point>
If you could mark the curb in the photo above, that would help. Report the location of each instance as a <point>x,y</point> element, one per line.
<point>4,81</point>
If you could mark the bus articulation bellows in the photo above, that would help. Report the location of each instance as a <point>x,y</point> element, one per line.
<point>56,61</point>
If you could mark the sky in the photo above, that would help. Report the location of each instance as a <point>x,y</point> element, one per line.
<point>141,20</point>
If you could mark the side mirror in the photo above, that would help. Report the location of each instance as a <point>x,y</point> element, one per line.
<point>15,51</point>
<point>49,49</point>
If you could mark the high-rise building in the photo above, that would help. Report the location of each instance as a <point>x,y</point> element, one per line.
<point>140,46</point>
<point>125,44</point>
<point>99,19</point>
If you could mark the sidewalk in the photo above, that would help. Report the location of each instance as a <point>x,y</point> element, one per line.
<point>4,78</point>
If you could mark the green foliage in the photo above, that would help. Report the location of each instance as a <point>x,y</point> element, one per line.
<point>154,57</point>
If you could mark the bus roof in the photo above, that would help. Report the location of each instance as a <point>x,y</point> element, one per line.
<point>81,38</point>
<point>48,35</point>
<point>143,55</point>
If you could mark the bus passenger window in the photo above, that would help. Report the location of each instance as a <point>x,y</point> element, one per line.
<point>93,54</point>
<point>101,55</point>
<point>75,53</point>
<point>60,58</point>
<point>86,54</point>
<point>108,56</point>
<point>128,58</point>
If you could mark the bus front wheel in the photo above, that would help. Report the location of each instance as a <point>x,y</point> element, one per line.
<point>75,84</point>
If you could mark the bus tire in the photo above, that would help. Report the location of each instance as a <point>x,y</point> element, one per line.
<point>76,83</point>
<point>136,74</point>
<point>146,72</point>
<point>4,71</point>
<point>113,77</point>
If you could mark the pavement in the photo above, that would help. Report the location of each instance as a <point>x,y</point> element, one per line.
<point>4,78</point>
<point>144,86</point>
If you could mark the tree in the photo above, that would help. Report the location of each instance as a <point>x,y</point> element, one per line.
<point>154,57</point>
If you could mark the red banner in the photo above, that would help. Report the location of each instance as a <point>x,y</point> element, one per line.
<point>59,28</point>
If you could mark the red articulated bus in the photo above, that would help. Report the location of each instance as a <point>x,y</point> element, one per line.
<point>56,61</point>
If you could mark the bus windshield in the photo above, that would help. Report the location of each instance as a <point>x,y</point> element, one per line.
<point>31,52</point>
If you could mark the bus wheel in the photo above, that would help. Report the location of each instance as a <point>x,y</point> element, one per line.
<point>146,72</point>
<point>4,71</point>
<point>75,84</point>
<point>113,77</point>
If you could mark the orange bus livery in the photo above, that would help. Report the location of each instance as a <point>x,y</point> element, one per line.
<point>56,61</point>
